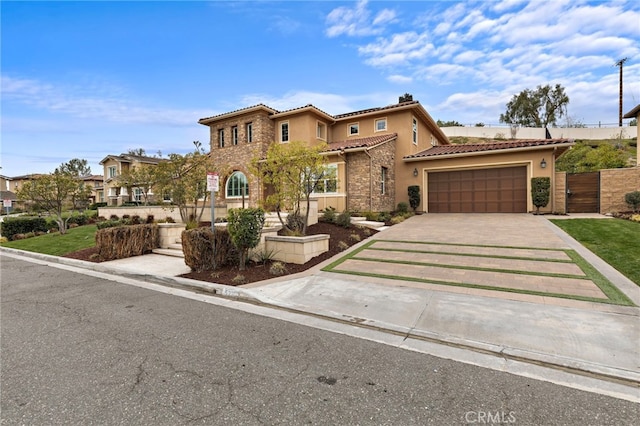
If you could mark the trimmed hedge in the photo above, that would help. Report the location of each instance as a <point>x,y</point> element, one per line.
<point>127,241</point>
<point>198,249</point>
<point>22,225</point>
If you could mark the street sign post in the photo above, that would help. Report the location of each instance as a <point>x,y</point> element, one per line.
<point>7,205</point>
<point>213,183</point>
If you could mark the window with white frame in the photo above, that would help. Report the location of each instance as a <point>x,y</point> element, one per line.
<point>414,127</point>
<point>137,194</point>
<point>284,131</point>
<point>381,125</point>
<point>112,171</point>
<point>383,180</point>
<point>221,138</point>
<point>354,129</point>
<point>249,132</point>
<point>434,142</point>
<point>321,131</point>
<point>328,182</point>
<point>237,185</point>
<point>234,135</point>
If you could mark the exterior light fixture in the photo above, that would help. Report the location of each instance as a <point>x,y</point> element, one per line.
<point>543,164</point>
<point>415,172</point>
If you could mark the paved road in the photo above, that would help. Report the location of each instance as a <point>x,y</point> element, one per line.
<point>78,349</point>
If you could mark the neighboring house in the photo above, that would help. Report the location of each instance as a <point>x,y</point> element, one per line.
<point>96,183</point>
<point>635,113</point>
<point>115,165</point>
<point>374,155</point>
<point>5,183</point>
<point>18,182</point>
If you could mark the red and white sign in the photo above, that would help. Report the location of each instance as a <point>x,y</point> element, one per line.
<point>213,181</point>
<point>6,203</point>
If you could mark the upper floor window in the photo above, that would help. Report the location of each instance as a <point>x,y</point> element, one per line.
<point>321,131</point>
<point>112,170</point>
<point>381,124</point>
<point>234,135</point>
<point>284,131</point>
<point>249,132</point>
<point>328,182</point>
<point>354,129</point>
<point>237,185</point>
<point>221,138</point>
<point>434,142</point>
<point>414,127</point>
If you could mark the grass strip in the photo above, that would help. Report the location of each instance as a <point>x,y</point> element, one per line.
<point>482,287</point>
<point>470,245</point>
<point>56,244</point>
<point>474,268</point>
<point>490,256</point>
<point>348,256</point>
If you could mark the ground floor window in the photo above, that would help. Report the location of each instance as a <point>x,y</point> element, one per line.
<point>328,182</point>
<point>237,185</point>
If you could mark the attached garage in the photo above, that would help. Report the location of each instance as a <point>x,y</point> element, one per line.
<point>495,190</point>
<point>485,178</point>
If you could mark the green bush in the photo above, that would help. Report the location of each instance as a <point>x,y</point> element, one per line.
<point>403,207</point>
<point>384,216</point>
<point>344,219</point>
<point>329,215</point>
<point>414,196</point>
<point>95,206</point>
<point>633,200</point>
<point>245,228</point>
<point>79,220</point>
<point>111,223</point>
<point>540,191</point>
<point>22,225</point>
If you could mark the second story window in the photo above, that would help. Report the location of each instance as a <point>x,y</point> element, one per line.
<point>321,131</point>
<point>113,171</point>
<point>221,138</point>
<point>354,129</point>
<point>234,135</point>
<point>414,126</point>
<point>381,125</point>
<point>284,131</point>
<point>249,132</point>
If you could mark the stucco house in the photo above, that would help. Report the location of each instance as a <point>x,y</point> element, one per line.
<point>115,165</point>
<point>635,113</point>
<point>374,155</point>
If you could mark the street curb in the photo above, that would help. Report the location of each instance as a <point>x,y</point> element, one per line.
<point>248,295</point>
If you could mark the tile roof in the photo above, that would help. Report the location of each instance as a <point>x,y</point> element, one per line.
<point>455,149</point>
<point>366,111</point>
<point>237,111</point>
<point>361,142</point>
<point>633,112</point>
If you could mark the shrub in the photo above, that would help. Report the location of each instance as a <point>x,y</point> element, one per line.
<point>344,219</point>
<point>403,207</point>
<point>245,227</point>
<point>111,223</point>
<point>295,222</point>
<point>150,218</point>
<point>126,241</point>
<point>277,268</point>
<point>329,215</point>
<point>73,225</point>
<point>384,216</point>
<point>355,237</point>
<point>342,245</point>
<point>22,225</point>
<point>397,219</point>
<point>414,196</point>
<point>95,206</point>
<point>264,255</point>
<point>239,279</point>
<point>79,220</point>
<point>115,217</point>
<point>633,200</point>
<point>169,219</point>
<point>540,191</point>
<point>3,240</point>
<point>197,245</point>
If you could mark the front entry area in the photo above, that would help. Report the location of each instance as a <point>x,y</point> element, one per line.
<point>494,190</point>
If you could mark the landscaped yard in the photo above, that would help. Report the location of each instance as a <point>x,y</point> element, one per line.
<point>616,241</point>
<point>55,244</point>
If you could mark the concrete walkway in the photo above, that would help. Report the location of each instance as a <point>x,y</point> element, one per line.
<point>585,338</point>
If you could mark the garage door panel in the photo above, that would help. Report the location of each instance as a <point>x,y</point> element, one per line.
<point>478,191</point>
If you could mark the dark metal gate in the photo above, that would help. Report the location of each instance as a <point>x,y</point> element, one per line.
<point>583,192</point>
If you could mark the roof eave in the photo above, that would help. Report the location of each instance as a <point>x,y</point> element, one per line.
<point>489,152</point>
<point>260,107</point>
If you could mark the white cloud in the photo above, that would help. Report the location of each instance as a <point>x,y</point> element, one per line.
<point>356,21</point>
<point>400,79</point>
<point>400,49</point>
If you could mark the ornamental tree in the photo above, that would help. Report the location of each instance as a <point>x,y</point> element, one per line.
<point>245,226</point>
<point>541,107</point>
<point>540,192</point>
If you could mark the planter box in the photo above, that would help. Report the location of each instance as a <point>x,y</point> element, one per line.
<point>297,249</point>
<point>170,233</point>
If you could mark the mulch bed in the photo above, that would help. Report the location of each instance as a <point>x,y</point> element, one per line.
<point>258,271</point>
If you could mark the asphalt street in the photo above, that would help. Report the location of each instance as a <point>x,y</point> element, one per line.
<point>77,349</point>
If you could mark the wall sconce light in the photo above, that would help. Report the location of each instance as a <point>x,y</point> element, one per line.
<point>543,164</point>
<point>415,172</point>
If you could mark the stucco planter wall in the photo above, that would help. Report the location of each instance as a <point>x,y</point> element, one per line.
<point>297,250</point>
<point>170,233</point>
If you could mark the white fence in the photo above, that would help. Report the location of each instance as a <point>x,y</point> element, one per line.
<point>588,133</point>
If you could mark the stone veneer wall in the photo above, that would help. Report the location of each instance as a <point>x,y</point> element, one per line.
<point>238,157</point>
<point>560,193</point>
<point>363,179</point>
<point>614,184</point>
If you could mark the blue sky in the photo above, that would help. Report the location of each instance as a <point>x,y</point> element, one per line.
<point>89,79</point>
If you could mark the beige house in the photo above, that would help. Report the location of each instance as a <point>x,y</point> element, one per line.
<point>374,155</point>
<point>96,183</point>
<point>635,113</point>
<point>114,194</point>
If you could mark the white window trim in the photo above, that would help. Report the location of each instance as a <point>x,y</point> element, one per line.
<point>320,124</point>
<point>288,131</point>
<point>226,187</point>
<point>335,167</point>
<point>414,130</point>
<point>375,125</point>
<point>349,129</point>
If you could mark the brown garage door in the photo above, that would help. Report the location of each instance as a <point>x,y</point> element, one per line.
<point>502,190</point>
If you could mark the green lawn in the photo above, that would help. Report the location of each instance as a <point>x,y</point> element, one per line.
<point>616,241</point>
<point>58,245</point>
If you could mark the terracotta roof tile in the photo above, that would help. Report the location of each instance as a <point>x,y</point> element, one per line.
<point>366,111</point>
<point>452,149</point>
<point>240,110</point>
<point>361,142</point>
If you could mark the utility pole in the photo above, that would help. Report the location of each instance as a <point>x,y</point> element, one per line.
<point>619,64</point>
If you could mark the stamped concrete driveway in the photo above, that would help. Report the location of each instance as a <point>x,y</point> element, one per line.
<point>488,254</point>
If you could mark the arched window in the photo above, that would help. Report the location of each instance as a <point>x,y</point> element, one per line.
<point>237,185</point>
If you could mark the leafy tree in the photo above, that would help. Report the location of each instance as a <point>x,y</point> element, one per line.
<point>76,167</point>
<point>584,158</point>
<point>56,193</point>
<point>137,151</point>
<point>184,177</point>
<point>451,123</point>
<point>540,192</point>
<point>143,176</point>
<point>245,226</point>
<point>293,171</point>
<point>634,122</point>
<point>541,107</point>
<point>405,98</point>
